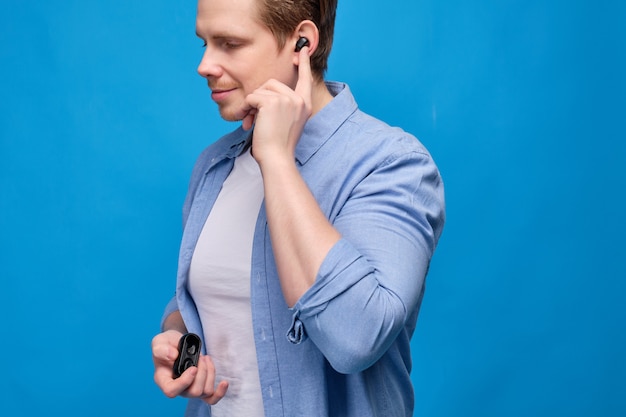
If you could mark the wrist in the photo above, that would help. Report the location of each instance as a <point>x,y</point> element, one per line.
<point>276,162</point>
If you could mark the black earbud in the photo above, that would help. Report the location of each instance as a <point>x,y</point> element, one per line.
<point>302,42</point>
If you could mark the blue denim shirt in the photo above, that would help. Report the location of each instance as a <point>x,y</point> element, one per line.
<point>344,348</point>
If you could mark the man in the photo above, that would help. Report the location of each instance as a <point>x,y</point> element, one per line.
<point>307,235</point>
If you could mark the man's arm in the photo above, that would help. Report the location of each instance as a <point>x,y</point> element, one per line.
<point>175,322</point>
<point>300,233</point>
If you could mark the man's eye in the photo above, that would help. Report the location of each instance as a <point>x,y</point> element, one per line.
<point>231,45</point>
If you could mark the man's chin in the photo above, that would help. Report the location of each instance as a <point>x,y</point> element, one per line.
<point>230,115</point>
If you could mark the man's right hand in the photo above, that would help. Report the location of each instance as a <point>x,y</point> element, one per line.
<point>195,382</point>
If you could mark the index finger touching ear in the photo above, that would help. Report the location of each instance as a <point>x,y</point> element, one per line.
<point>305,77</point>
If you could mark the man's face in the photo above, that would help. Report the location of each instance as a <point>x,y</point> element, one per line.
<point>241,53</point>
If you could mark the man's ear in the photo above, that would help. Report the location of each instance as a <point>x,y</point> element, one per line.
<point>306,29</point>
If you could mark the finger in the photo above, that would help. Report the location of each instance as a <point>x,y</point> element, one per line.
<point>164,353</point>
<point>174,387</point>
<point>243,112</point>
<point>165,345</point>
<point>274,86</point>
<point>209,384</point>
<point>248,120</point>
<point>219,393</point>
<point>271,93</point>
<point>248,113</point>
<point>305,77</point>
<point>196,389</point>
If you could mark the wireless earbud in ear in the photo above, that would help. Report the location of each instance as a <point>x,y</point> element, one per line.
<point>302,42</point>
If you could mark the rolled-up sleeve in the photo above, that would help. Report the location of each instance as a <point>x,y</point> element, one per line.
<point>371,281</point>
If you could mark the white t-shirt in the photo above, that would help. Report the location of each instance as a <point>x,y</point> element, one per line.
<point>219,282</point>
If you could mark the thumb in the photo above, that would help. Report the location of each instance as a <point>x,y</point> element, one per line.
<point>248,120</point>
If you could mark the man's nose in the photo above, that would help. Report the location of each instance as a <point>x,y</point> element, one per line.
<point>209,66</point>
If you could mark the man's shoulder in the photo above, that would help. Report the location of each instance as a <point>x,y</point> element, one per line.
<point>376,133</point>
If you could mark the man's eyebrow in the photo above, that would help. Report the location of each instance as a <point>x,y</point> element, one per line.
<point>221,35</point>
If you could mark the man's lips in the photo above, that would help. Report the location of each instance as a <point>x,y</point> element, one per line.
<point>219,94</point>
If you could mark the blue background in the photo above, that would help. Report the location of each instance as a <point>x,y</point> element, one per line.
<point>522,104</point>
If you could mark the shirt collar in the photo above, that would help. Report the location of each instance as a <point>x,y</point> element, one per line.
<point>325,123</point>
<point>231,145</point>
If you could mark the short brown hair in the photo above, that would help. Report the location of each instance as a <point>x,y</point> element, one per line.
<point>283,16</point>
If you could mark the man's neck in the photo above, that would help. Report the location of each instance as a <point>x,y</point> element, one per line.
<point>320,96</point>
